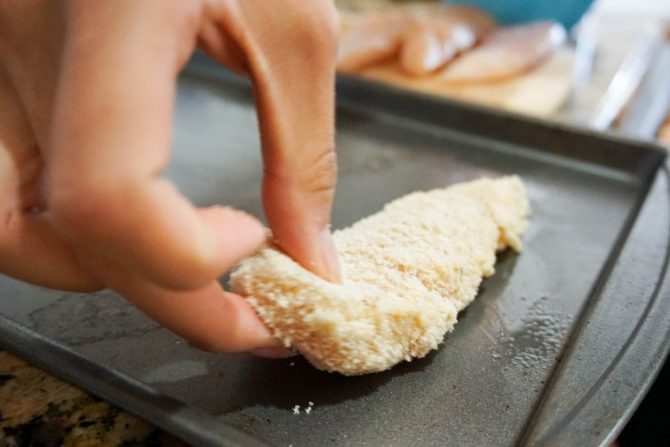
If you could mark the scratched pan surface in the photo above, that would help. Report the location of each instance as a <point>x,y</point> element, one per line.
<point>557,349</point>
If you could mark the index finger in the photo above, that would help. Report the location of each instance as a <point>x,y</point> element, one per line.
<point>110,140</point>
<point>291,59</point>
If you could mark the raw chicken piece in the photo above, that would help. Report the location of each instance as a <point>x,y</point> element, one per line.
<point>368,40</point>
<point>430,42</point>
<point>540,92</point>
<point>424,37</point>
<point>506,53</point>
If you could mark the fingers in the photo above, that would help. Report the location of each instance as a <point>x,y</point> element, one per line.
<point>106,203</point>
<point>210,318</point>
<point>298,213</point>
<point>273,353</point>
<point>295,100</point>
<point>110,141</point>
<point>31,251</point>
<point>29,248</point>
<point>30,48</point>
<point>240,234</point>
<point>292,64</point>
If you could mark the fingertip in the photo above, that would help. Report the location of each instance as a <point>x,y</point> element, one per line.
<point>330,264</point>
<point>272,353</point>
<point>238,234</point>
<point>251,333</point>
<point>314,251</point>
<point>234,327</point>
<point>226,216</point>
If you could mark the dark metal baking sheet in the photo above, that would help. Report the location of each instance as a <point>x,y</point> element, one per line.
<point>559,346</point>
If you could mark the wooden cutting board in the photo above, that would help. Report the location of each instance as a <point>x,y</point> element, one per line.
<point>540,92</point>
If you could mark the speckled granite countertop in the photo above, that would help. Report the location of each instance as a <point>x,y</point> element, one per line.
<point>37,409</point>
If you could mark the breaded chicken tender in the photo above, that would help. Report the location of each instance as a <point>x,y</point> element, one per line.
<point>406,273</point>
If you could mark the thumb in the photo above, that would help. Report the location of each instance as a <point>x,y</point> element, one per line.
<point>297,205</point>
<point>292,66</point>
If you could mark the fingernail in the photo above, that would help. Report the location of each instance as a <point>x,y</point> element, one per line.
<point>329,257</point>
<point>272,353</point>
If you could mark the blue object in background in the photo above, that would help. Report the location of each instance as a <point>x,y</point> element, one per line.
<point>567,12</point>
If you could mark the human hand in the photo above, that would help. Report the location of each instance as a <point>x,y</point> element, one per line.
<point>87,94</point>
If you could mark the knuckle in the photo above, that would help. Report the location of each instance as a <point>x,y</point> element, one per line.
<point>316,175</point>
<point>320,175</point>
<point>316,25</point>
<point>189,274</point>
<point>80,209</point>
<point>104,218</point>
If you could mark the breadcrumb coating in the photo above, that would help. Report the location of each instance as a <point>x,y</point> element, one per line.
<point>406,273</point>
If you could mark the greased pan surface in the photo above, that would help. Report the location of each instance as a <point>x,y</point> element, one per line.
<point>558,347</point>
